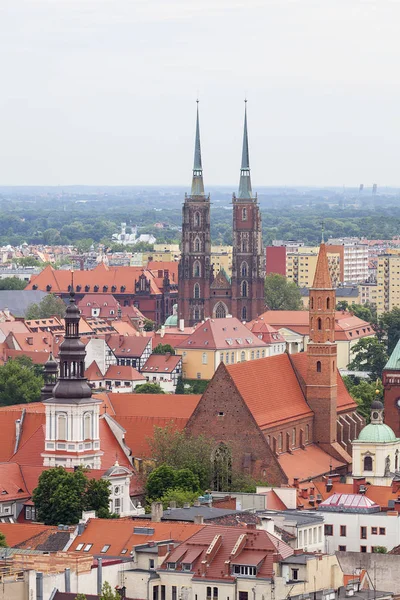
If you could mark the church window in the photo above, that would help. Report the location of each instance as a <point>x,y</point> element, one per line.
<point>197,245</point>
<point>87,426</point>
<point>293,438</point>
<point>197,219</point>
<point>222,468</point>
<point>319,321</point>
<point>319,303</point>
<point>242,356</point>
<point>328,302</point>
<point>312,303</point>
<point>62,426</point>
<point>244,245</point>
<point>204,358</point>
<point>319,368</point>
<point>220,311</point>
<point>244,214</point>
<point>328,323</point>
<point>244,269</point>
<point>196,291</point>
<point>333,366</point>
<point>244,289</point>
<point>367,463</point>
<point>307,433</point>
<point>244,313</point>
<point>197,269</point>
<point>196,314</point>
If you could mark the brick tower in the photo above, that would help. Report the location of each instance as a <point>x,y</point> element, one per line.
<point>321,350</point>
<point>195,264</point>
<point>391,383</point>
<point>248,263</point>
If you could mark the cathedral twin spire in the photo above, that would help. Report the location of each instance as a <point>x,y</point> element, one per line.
<point>245,190</point>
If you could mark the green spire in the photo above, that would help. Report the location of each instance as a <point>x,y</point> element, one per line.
<point>197,181</point>
<point>245,181</point>
<point>394,361</point>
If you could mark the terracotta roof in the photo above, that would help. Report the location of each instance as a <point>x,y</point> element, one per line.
<point>173,339</point>
<point>238,545</point>
<point>38,358</point>
<point>170,406</point>
<point>161,363</point>
<point>165,265</point>
<point>216,334</point>
<point>126,373</point>
<point>17,533</point>
<point>322,278</point>
<point>119,533</point>
<point>32,341</point>
<point>93,372</point>
<point>15,326</point>
<point>123,327</point>
<point>273,502</point>
<point>270,389</point>
<point>265,332</point>
<point>12,485</point>
<point>127,345</point>
<point>122,278</point>
<point>308,463</point>
<point>140,430</point>
<point>51,322</point>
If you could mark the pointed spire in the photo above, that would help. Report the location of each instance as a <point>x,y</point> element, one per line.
<point>197,181</point>
<point>245,181</point>
<point>322,277</point>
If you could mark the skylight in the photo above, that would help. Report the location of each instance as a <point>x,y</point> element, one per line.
<point>87,547</point>
<point>105,548</point>
<point>79,547</point>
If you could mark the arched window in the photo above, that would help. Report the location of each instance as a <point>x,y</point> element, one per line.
<point>244,245</point>
<point>196,291</point>
<point>328,303</point>
<point>312,303</point>
<point>258,354</point>
<point>204,358</point>
<point>244,289</point>
<point>328,323</point>
<point>319,302</point>
<point>244,269</point>
<point>62,426</point>
<point>244,313</point>
<point>244,214</point>
<point>196,314</point>
<point>293,437</point>
<point>367,463</point>
<point>222,468</point>
<point>197,245</point>
<point>318,366</point>
<point>220,311</point>
<point>319,321</point>
<point>242,356</point>
<point>197,219</point>
<point>232,357</point>
<point>87,426</point>
<point>280,441</point>
<point>333,366</point>
<point>197,269</point>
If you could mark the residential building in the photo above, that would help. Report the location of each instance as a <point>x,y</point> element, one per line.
<point>204,294</point>
<point>130,350</point>
<point>165,252</point>
<point>388,282</point>
<point>221,259</point>
<point>215,341</point>
<point>298,263</point>
<point>164,369</point>
<point>300,529</point>
<point>117,378</point>
<point>368,294</point>
<point>274,340</point>
<point>349,294</point>
<point>354,259</point>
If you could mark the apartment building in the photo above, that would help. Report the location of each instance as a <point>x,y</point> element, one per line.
<point>298,263</point>
<point>388,281</point>
<point>353,259</point>
<point>368,293</point>
<point>221,259</point>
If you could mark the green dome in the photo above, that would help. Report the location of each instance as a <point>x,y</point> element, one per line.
<point>172,321</point>
<point>376,432</point>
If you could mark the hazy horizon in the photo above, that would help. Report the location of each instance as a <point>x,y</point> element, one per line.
<point>105,90</point>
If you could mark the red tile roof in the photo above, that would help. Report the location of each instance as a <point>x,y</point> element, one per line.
<point>308,463</point>
<point>270,389</point>
<point>126,373</point>
<point>161,363</point>
<point>222,334</point>
<point>93,372</point>
<point>169,406</point>
<point>164,265</point>
<point>128,345</point>
<point>38,358</point>
<point>18,533</point>
<point>12,485</point>
<point>140,430</point>
<point>265,332</point>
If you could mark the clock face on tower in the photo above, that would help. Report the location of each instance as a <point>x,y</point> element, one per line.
<point>398,403</point>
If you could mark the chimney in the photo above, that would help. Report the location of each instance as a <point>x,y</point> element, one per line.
<point>198,520</point>
<point>17,429</point>
<point>296,482</point>
<point>186,505</point>
<point>251,526</point>
<point>172,504</point>
<point>156,511</point>
<point>162,549</point>
<point>30,341</point>
<point>329,484</point>
<point>357,482</point>
<point>181,325</point>
<point>39,586</point>
<point>99,575</point>
<point>162,331</point>
<point>304,493</point>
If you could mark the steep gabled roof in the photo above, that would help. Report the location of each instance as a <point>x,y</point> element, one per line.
<point>222,334</point>
<point>161,363</point>
<point>322,277</point>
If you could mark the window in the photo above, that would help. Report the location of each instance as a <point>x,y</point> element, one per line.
<point>319,322</point>
<point>196,314</point>
<point>244,289</point>
<point>62,426</point>
<point>244,269</point>
<point>171,566</point>
<point>244,570</point>
<point>342,548</point>
<point>318,366</point>
<point>197,219</point>
<point>328,530</point>
<point>220,311</point>
<point>294,438</point>
<point>155,592</point>
<point>244,214</point>
<point>87,426</point>
<point>382,531</point>
<point>243,595</point>
<point>79,547</point>
<point>87,547</point>
<point>244,313</point>
<point>205,358</point>
<point>174,594</point>
<point>117,506</point>
<point>307,433</point>
<point>367,463</point>
<point>196,291</point>
<point>105,548</point>
<point>208,593</point>
<point>30,513</point>
<point>328,302</point>
<point>242,356</point>
<point>295,574</point>
<point>363,548</point>
<point>197,245</point>
<point>215,593</point>
<point>196,269</point>
<point>363,533</point>
<point>374,530</point>
<point>151,563</point>
<point>343,530</point>
<point>163,592</point>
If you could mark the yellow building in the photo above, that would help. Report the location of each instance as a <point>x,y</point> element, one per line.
<point>388,281</point>
<point>165,252</point>
<point>221,258</point>
<point>300,266</point>
<point>367,293</point>
<point>218,340</point>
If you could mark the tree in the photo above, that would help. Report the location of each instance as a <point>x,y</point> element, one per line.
<point>12,283</point>
<point>27,261</point>
<point>164,349</point>
<point>148,325</point>
<point>84,245</point>
<point>3,543</point>
<point>180,388</point>
<point>281,294</point>
<point>185,479</point>
<point>50,306</point>
<point>18,382</point>
<point>160,481</point>
<point>366,312</point>
<point>149,388</point>
<point>369,354</point>
<point>388,329</point>
<point>364,393</point>
<point>342,305</point>
<point>61,496</point>
<point>180,496</point>
<point>108,594</point>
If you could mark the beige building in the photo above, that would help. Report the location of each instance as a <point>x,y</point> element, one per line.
<point>221,258</point>
<point>218,340</point>
<point>368,293</point>
<point>166,252</point>
<point>388,281</point>
<point>301,265</point>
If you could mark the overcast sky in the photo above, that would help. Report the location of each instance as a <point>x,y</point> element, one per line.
<point>103,91</point>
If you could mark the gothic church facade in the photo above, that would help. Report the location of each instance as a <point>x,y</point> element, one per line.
<point>202,293</point>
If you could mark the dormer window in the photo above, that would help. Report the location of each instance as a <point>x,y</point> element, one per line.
<point>186,566</point>
<point>96,288</point>
<point>244,570</point>
<point>171,566</point>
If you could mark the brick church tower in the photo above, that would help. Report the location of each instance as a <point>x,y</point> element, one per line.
<point>391,384</point>
<point>195,265</point>
<point>321,390</point>
<point>248,263</point>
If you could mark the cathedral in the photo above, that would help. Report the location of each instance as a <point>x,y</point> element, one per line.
<point>202,293</point>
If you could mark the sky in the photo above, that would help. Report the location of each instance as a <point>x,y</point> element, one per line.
<point>103,92</point>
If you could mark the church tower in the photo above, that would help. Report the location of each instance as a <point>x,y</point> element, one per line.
<point>322,351</point>
<point>72,415</point>
<point>248,263</point>
<point>195,264</point>
<point>391,384</point>
<point>50,378</point>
